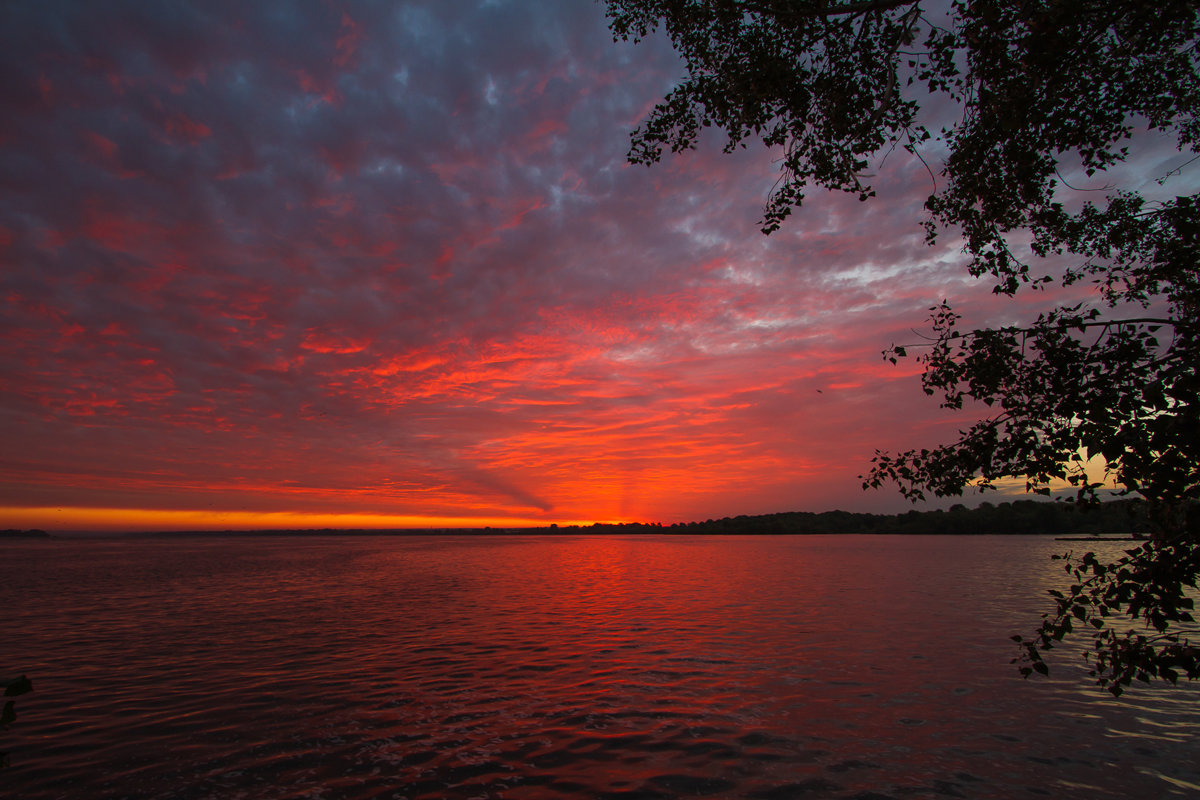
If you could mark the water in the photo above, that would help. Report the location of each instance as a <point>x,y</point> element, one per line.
<point>567,667</point>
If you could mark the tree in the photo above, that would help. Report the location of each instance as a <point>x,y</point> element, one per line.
<point>1039,89</point>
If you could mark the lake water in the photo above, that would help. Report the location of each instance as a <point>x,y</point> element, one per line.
<point>863,667</point>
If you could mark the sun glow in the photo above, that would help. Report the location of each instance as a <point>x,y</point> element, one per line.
<point>145,519</point>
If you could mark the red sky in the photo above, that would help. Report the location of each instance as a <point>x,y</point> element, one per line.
<point>325,264</point>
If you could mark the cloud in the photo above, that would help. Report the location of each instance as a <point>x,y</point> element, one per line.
<point>390,259</point>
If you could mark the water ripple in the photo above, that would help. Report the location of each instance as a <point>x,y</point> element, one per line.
<point>574,667</point>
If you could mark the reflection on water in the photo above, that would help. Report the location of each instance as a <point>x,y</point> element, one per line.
<point>574,667</point>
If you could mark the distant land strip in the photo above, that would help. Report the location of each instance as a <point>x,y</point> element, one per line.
<point>1125,518</point>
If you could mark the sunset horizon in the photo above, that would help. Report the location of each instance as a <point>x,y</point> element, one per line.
<point>393,263</point>
<point>599,399</point>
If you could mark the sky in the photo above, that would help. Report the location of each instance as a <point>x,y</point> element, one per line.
<point>358,264</point>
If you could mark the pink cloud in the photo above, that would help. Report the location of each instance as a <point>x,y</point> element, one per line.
<point>326,342</point>
<point>180,126</point>
<point>347,43</point>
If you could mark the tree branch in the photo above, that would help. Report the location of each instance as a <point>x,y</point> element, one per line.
<point>1032,328</point>
<point>862,7</point>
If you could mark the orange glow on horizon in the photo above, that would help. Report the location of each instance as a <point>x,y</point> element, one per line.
<point>69,518</point>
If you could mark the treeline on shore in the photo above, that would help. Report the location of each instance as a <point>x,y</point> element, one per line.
<point>1122,517</point>
<point>1016,517</point>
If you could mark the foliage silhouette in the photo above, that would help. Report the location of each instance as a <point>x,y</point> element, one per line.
<point>1008,97</point>
<point>13,687</point>
<point>1020,517</point>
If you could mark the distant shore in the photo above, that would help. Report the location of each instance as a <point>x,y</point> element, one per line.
<point>583,531</point>
<point>1118,520</point>
<point>1115,519</point>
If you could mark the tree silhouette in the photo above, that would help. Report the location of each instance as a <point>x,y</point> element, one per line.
<point>1040,89</point>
